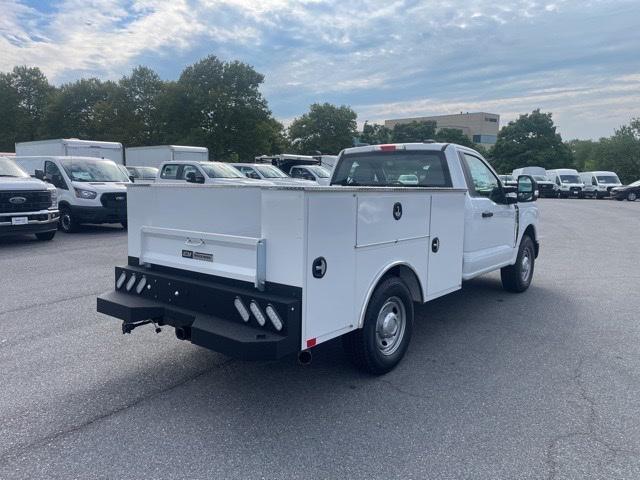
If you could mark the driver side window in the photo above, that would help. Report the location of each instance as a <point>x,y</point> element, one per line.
<point>485,183</point>
<point>188,169</point>
<point>52,171</point>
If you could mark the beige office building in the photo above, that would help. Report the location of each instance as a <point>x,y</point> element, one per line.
<point>480,127</point>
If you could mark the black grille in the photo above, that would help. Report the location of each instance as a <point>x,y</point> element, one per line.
<point>545,187</point>
<point>114,200</point>
<point>24,201</point>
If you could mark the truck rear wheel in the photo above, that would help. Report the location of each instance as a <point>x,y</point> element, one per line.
<point>388,323</point>
<point>517,277</point>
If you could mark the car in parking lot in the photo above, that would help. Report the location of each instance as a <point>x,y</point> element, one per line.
<point>142,174</point>
<point>314,173</point>
<point>27,205</point>
<point>200,172</point>
<point>599,184</point>
<point>629,192</point>
<point>271,173</point>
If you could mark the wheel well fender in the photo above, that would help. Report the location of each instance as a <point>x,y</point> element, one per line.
<point>63,203</point>
<point>402,270</point>
<point>531,232</point>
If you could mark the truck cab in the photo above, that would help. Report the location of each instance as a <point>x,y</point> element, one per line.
<point>599,184</point>
<point>567,183</point>
<point>291,267</point>
<point>90,190</point>
<point>27,205</point>
<point>200,172</point>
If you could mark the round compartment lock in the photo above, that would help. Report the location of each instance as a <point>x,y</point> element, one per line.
<point>319,267</point>
<point>435,245</point>
<point>397,210</point>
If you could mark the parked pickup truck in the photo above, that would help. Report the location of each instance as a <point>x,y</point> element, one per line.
<point>260,272</point>
<point>27,205</point>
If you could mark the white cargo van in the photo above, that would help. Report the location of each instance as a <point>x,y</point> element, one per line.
<point>567,183</point>
<point>154,156</point>
<point>599,184</point>
<point>201,172</point>
<point>545,186</point>
<point>90,190</point>
<point>71,147</point>
<point>260,272</point>
<point>27,205</point>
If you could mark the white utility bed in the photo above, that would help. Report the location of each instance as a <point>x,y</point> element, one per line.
<point>273,234</point>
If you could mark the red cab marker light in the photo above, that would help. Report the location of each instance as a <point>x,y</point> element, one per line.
<point>387,148</point>
<point>311,342</point>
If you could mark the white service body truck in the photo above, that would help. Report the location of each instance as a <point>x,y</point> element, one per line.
<point>71,147</point>
<point>154,156</point>
<point>260,272</point>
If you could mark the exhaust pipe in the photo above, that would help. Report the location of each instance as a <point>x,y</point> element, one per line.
<point>181,333</point>
<point>305,357</point>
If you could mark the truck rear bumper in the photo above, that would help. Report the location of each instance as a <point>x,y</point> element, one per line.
<point>204,313</point>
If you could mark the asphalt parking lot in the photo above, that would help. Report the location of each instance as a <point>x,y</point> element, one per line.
<point>544,384</point>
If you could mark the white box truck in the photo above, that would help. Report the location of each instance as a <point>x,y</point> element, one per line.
<point>155,155</point>
<point>71,147</point>
<point>286,268</point>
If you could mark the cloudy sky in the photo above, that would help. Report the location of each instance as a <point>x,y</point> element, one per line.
<point>579,59</point>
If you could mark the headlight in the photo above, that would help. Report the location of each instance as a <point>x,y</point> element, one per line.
<point>54,199</point>
<point>87,194</point>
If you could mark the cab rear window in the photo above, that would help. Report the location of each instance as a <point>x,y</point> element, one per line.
<point>418,168</point>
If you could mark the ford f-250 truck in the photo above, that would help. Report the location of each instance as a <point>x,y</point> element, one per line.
<point>260,272</point>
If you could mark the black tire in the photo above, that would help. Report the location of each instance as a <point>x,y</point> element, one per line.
<point>517,278</point>
<point>68,224</point>
<point>632,196</point>
<point>620,199</point>
<point>46,236</point>
<point>367,347</point>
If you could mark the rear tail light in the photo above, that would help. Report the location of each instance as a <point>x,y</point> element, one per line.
<point>242,310</point>
<point>387,148</point>
<point>257,313</point>
<point>141,284</point>
<point>131,282</point>
<point>274,317</point>
<point>121,279</point>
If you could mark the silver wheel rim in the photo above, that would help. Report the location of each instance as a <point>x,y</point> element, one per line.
<point>390,326</point>
<point>525,267</point>
<point>66,221</point>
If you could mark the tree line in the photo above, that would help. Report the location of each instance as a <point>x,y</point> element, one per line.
<point>218,105</point>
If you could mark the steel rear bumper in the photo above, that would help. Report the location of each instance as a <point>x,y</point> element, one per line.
<point>206,315</point>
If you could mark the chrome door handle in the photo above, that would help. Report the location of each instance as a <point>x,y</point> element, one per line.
<point>487,214</point>
<point>194,243</point>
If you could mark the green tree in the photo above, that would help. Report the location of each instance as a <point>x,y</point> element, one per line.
<point>325,128</point>
<point>222,109</point>
<point>137,102</point>
<point>413,132</point>
<point>8,113</point>
<point>375,134</point>
<point>454,135</point>
<point>84,109</point>
<point>583,154</point>
<point>531,140</point>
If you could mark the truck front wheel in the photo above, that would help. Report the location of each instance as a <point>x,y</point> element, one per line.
<point>383,339</point>
<point>68,223</point>
<point>517,277</point>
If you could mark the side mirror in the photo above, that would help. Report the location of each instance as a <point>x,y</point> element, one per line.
<point>132,178</point>
<point>39,174</point>
<point>527,189</point>
<point>193,178</point>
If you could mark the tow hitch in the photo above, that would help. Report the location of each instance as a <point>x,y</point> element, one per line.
<point>128,327</point>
